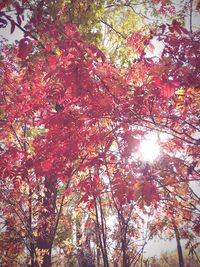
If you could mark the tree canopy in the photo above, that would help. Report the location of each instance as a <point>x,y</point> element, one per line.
<point>99,127</point>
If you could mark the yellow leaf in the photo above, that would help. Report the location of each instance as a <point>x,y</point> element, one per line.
<point>180,92</point>
<point>184,189</point>
<point>57,52</point>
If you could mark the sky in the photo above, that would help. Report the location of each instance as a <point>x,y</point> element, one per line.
<point>156,246</point>
<point>5,33</point>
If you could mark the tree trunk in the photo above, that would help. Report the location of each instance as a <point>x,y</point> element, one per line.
<point>78,223</point>
<point>44,255</point>
<point>179,248</point>
<point>104,234</point>
<point>100,235</point>
<point>47,228</point>
<point>98,252</point>
<point>32,254</point>
<point>124,253</point>
<point>32,247</point>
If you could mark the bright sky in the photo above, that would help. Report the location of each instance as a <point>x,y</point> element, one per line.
<point>156,246</point>
<point>5,33</point>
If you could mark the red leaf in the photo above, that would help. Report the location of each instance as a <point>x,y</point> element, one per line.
<point>25,48</point>
<point>97,180</point>
<point>197,228</point>
<point>68,191</point>
<point>72,30</point>
<point>46,165</point>
<point>198,6</point>
<point>167,91</point>
<point>17,182</point>
<point>3,23</point>
<point>157,82</point>
<point>12,26</point>
<point>52,60</point>
<point>101,55</point>
<point>19,21</point>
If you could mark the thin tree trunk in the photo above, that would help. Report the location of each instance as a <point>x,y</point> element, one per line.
<point>99,234</point>
<point>124,257</point>
<point>179,248</point>
<point>98,251</point>
<point>78,231</point>
<point>98,256</point>
<point>124,249</point>
<point>32,247</point>
<point>46,231</point>
<point>32,254</point>
<point>103,234</point>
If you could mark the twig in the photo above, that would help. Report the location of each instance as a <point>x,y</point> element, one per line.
<point>191,3</point>
<point>111,27</point>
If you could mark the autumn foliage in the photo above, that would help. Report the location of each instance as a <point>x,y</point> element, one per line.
<point>72,120</point>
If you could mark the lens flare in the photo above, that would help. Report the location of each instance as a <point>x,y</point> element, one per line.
<point>149,148</point>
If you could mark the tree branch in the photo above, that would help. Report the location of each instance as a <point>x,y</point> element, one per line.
<point>111,27</point>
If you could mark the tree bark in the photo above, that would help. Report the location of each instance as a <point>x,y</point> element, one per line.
<point>179,248</point>
<point>46,230</point>
<point>99,231</point>
<point>32,247</point>
<point>103,230</point>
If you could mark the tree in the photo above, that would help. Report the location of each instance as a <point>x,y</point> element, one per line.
<point>72,123</point>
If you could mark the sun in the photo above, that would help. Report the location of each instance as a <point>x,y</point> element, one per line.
<point>149,148</point>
